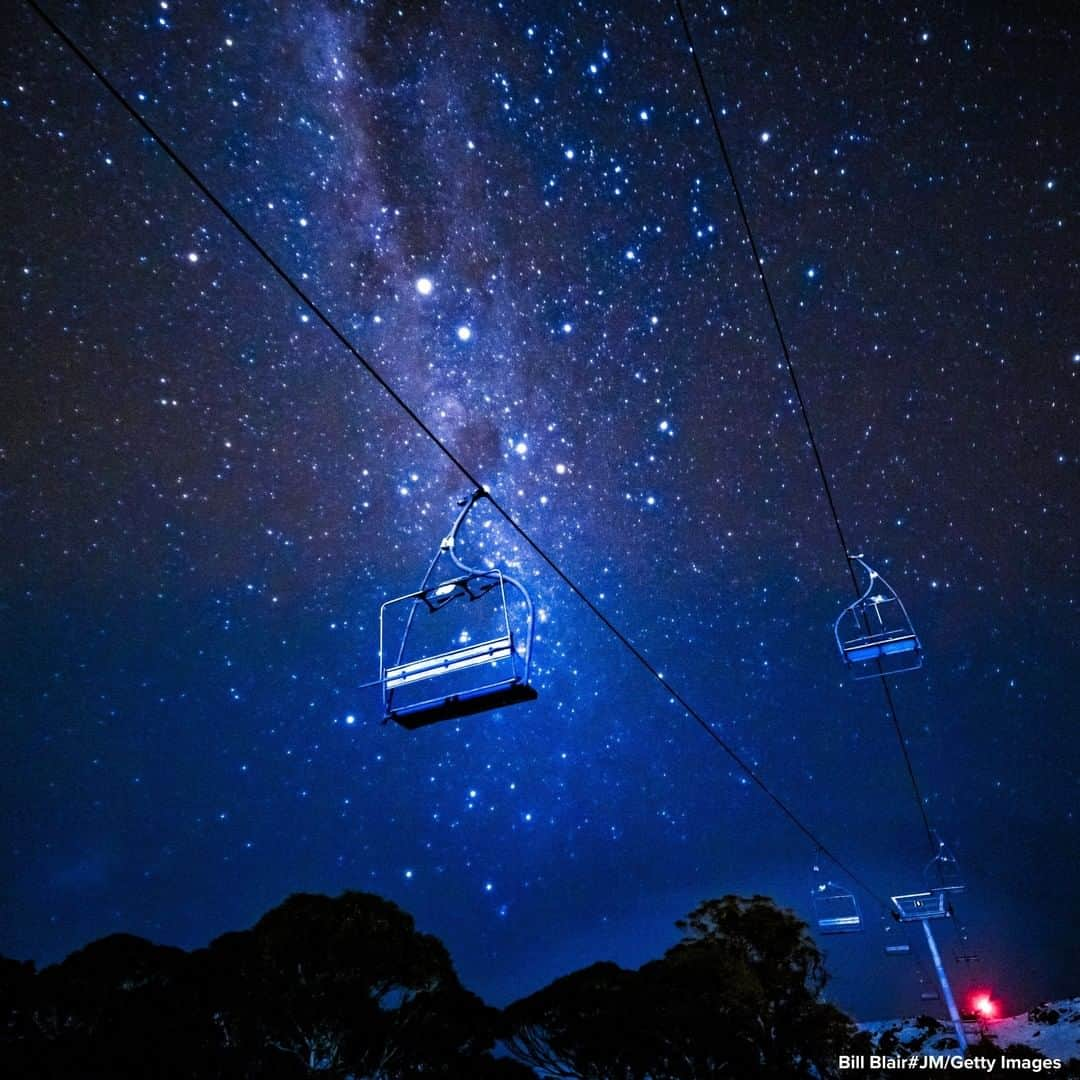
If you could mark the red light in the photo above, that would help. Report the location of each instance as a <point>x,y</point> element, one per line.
<point>983,1005</point>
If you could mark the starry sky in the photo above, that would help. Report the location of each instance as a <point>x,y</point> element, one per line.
<point>517,211</point>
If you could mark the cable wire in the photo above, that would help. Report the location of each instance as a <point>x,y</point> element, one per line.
<point>323,318</point>
<point>826,486</point>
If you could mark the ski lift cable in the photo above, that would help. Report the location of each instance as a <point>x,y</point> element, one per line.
<point>818,461</point>
<point>674,694</point>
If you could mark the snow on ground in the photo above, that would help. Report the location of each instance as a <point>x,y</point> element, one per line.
<point>1051,1029</point>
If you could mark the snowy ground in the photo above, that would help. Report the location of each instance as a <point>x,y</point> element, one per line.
<point>1052,1029</point>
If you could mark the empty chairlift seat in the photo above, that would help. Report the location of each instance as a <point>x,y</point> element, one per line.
<point>874,633</point>
<point>932,904</point>
<point>460,646</point>
<point>836,911</point>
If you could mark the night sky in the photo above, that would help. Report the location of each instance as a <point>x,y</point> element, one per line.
<point>518,212</point>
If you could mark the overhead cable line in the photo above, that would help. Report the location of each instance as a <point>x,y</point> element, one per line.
<point>323,318</point>
<point>826,486</point>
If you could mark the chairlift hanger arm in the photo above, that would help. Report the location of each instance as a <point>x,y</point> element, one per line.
<point>449,543</point>
<point>446,546</point>
<point>449,546</point>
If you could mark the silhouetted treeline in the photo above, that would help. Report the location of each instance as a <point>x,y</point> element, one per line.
<point>348,988</point>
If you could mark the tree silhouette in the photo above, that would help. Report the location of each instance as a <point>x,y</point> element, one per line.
<point>739,995</point>
<point>586,1024</point>
<point>122,1006</point>
<point>340,987</point>
<point>347,987</point>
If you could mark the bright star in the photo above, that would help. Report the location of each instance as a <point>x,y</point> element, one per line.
<point>464,333</point>
<point>424,286</point>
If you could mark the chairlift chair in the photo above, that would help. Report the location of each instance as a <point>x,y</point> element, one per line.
<point>874,633</point>
<point>920,906</point>
<point>943,869</point>
<point>836,911</point>
<point>438,672</point>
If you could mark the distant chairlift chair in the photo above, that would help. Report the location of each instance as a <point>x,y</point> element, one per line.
<point>467,677</point>
<point>836,911</point>
<point>874,633</point>
<point>942,875</point>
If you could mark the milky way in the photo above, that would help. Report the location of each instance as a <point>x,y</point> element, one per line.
<point>519,215</point>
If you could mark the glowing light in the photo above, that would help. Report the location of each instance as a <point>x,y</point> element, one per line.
<point>350,719</point>
<point>193,257</point>
<point>560,469</point>
<point>644,114</point>
<point>464,333</point>
<point>766,136</point>
<point>569,154</point>
<point>984,1006</point>
<point>521,449</point>
<point>424,286</point>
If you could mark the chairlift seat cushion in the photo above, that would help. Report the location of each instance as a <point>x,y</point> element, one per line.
<point>484,652</point>
<point>868,649</point>
<point>840,924</point>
